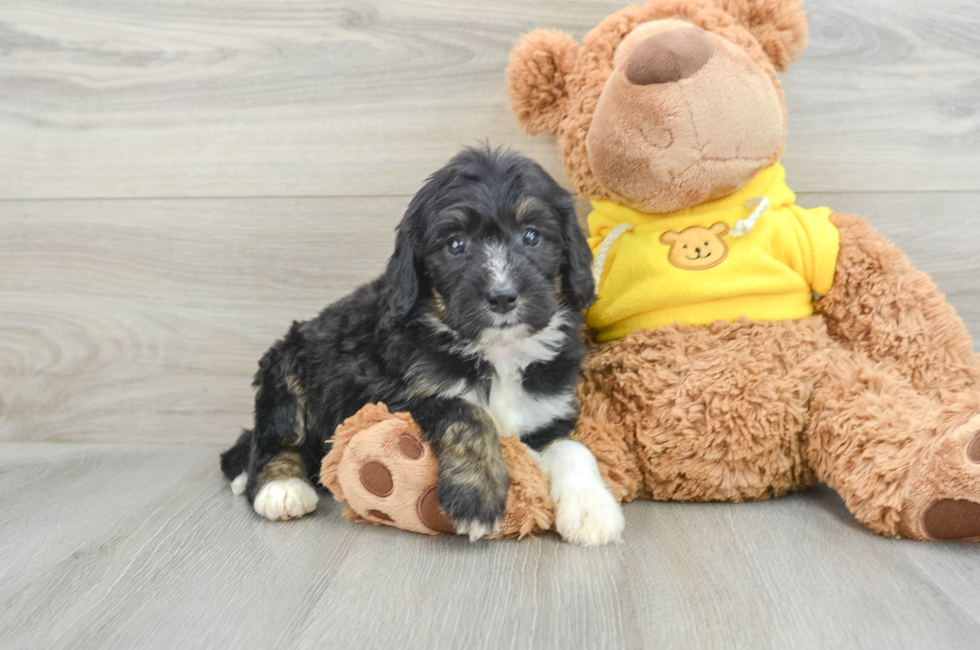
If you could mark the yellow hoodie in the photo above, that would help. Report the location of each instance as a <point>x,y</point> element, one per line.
<point>695,266</point>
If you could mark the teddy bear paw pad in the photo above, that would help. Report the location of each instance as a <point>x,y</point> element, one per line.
<point>430,514</point>
<point>952,520</point>
<point>376,478</point>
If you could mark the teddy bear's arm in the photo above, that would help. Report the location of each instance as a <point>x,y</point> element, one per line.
<point>882,305</point>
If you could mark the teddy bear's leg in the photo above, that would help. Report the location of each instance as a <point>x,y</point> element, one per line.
<point>881,305</point>
<point>905,463</point>
<point>604,425</point>
<point>702,413</point>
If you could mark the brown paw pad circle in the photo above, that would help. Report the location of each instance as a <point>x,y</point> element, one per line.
<point>376,478</point>
<point>409,447</point>
<point>952,519</point>
<point>377,514</point>
<point>430,514</point>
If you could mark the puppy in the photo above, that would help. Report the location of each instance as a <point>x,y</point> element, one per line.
<point>474,328</point>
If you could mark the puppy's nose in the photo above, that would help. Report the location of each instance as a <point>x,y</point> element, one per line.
<point>669,56</point>
<point>502,300</point>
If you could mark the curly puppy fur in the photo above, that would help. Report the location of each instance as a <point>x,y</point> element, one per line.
<point>475,328</point>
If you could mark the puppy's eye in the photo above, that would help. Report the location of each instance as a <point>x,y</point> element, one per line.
<point>531,237</point>
<point>456,245</point>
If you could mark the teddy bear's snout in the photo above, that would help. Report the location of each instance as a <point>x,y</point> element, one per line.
<point>669,56</point>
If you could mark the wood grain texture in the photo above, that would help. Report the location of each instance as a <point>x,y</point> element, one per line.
<point>89,561</point>
<point>144,320</point>
<point>164,98</point>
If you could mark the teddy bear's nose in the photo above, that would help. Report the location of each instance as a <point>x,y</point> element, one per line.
<point>669,56</point>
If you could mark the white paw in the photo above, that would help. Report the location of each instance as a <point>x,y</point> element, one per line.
<point>238,485</point>
<point>286,499</point>
<point>586,512</point>
<point>588,515</point>
<point>475,529</point>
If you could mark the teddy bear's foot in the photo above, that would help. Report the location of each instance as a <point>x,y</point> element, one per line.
<point>944,499</point>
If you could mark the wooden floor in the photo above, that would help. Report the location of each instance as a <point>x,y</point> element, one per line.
<point>178,181</point>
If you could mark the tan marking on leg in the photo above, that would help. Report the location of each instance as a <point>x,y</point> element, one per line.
<point>285,465</point>
<point>470,456</point>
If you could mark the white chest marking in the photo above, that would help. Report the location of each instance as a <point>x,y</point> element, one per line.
<point>513,410</point>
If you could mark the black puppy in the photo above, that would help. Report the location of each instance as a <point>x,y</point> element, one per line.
<point>474,328</point>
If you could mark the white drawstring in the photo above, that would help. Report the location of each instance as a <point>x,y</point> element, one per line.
<point>600,255</point>
<point>745,226</point>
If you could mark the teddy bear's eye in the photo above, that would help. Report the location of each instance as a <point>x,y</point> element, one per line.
<point>685,245</point>
<point>705,243</point>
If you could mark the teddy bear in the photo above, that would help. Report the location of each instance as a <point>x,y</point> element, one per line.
<point>741,346</point>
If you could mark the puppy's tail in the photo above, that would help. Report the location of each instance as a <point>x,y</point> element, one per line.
<point>235,460</point>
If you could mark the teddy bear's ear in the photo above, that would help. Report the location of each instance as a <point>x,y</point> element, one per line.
<point>720,229</point>
<point>669,237</point>
<point>779,25</point>
<point>536,79</point>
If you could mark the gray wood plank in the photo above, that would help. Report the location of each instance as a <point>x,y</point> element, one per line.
<point>126,546</point>
<point>144,320</point>
<point>168,99</point>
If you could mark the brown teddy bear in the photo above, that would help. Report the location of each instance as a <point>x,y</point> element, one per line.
<point>713,374</point>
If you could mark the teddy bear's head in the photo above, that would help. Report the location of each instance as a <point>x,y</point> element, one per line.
<point>664,105</point>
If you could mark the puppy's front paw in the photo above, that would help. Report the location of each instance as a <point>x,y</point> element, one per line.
<point>475,503</point>
<point>285,499</point>
<point>473,477</point>
<point>587,514</point>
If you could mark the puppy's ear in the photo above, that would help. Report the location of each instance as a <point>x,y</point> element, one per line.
<point>536,79</point>
<point>576,280</point>
<point>401,279</point>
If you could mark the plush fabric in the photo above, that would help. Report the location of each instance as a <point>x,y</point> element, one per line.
<point>551,64</point>
<point>666,146</point>
<point>686,267</point>
<point>380,466</point>
<point>876,392</point>
<point>751,410</point>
